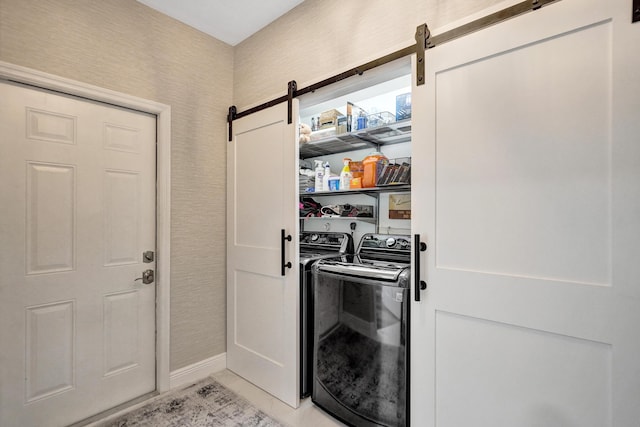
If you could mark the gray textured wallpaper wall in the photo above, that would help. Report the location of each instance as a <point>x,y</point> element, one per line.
<point>321,38</point>
<point>125,46</point>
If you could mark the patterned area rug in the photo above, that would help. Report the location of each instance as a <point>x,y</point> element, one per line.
<point>206,403</point>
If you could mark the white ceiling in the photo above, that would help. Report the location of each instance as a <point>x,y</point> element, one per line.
<point>231,21</point>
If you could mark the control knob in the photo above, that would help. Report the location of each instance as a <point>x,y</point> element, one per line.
<point>391,242</point>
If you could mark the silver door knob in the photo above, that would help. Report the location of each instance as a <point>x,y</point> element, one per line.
<point>147,277</point>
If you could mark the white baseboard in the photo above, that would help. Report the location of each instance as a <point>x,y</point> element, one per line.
<point>197,371</point>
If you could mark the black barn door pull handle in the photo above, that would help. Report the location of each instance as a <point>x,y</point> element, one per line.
<point>419,285</point>
<point>282,240</point>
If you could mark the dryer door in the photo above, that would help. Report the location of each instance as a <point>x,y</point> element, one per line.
<point>360,349</point>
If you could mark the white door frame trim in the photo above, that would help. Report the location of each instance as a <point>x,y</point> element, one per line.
<point>18,74</point>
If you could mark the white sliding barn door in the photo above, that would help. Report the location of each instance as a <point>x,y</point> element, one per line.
<point>263,303</point>
<point>77,190</point>
<point>526,185</point>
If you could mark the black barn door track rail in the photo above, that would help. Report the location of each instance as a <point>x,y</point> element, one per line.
<point>424,41</point>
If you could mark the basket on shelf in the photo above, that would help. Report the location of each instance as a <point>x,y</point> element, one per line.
<point>396,172</point>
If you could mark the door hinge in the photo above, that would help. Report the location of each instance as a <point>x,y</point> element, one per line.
<point>422,40</point>
<point>635,17</point>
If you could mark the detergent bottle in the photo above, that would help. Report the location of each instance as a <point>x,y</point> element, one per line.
<point>373,165</point>
<point>345,175</point>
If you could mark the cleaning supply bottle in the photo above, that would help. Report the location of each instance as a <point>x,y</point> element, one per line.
<point>345,175</point>
<point>325,178</point>
<point>319,176</point>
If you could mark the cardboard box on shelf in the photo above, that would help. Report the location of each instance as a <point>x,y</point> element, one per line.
<point>329,118</point>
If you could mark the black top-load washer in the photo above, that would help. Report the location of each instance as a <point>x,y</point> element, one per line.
<point>313,247</point>
<point>361,320</point>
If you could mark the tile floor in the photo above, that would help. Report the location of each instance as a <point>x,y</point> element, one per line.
<point>306,415</point>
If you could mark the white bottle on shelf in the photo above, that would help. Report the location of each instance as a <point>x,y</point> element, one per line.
<point>325,178</point>
<point>319,177</point>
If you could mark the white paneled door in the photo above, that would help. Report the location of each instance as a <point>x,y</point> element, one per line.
<point>527,193</point>
<point>77,190</point>
<point>262,294</point>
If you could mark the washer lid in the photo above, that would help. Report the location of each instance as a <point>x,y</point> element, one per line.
<point>365,269</point>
